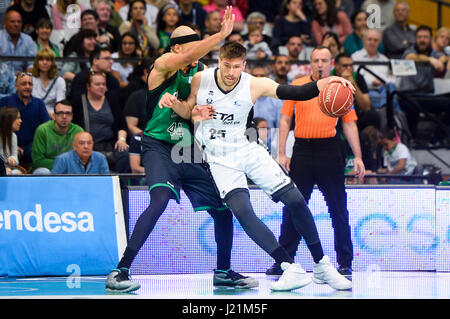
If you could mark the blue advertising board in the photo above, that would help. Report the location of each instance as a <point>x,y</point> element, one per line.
<point>55,226</point>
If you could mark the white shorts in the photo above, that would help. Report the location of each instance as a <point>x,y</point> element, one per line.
<point>255,163</point>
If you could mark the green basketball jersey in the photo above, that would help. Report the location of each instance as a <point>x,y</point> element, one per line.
<point>164,124</point>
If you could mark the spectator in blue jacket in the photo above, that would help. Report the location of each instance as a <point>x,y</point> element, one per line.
<point>82,159</point>
<point>32,110</point>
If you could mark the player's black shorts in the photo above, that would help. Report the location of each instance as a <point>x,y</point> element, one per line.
<point>193,178</point>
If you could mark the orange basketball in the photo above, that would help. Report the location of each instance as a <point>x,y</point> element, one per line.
<point>335,99</point>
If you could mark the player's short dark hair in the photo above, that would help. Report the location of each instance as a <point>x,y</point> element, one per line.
<point>232,50</point>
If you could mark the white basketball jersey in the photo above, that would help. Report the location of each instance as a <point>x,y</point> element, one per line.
<point>224,136</point>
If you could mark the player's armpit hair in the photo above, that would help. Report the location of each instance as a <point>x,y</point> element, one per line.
<point>298,93</point>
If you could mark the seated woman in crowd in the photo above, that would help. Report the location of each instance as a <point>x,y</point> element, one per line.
<point>10,122</point>
<point>328,18</point>
<point>441,44</point>
<point>128,48</point>
<point>47,84</point>
<point>331,41</point>
<point>353,42</point>
<point>167,21</point>
<point>101,115</point>
<point>88,42</point>
<point>292,21</point>
<point>137,24</point>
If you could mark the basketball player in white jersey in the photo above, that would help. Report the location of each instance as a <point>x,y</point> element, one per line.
<point>220,101</point>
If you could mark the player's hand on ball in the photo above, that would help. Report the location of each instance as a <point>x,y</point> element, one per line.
<point>202,112</point>
<point>167,100</point>
<point>335,79</point>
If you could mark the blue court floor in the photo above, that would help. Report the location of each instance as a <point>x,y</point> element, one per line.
<point>370,285</point>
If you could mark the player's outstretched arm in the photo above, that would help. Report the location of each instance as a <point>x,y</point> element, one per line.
<point>170,62</point>
<point>268,87</point>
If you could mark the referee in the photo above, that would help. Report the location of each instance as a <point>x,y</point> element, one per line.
<point>317,159</point>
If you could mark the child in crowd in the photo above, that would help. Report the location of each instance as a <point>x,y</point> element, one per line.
<point>257,48</point>
<point>398,160</point>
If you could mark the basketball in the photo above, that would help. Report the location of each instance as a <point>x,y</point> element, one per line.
<point>335,99</point>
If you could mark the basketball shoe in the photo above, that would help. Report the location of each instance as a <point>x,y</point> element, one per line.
<point>325,273</point>
<point>232,279</point>
<point>118,280</point>
<point>293,277</point>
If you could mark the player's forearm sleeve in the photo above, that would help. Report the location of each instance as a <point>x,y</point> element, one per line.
<point>298,93</point>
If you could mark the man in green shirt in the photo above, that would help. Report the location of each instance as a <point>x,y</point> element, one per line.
<point>53,138</point>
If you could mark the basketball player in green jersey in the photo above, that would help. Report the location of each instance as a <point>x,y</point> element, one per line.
<point>172,73</point>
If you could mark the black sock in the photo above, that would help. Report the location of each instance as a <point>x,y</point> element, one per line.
<point>223,234</point>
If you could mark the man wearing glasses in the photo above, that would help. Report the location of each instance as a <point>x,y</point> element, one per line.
<point>101,61</point>
<point>33,113</point>
<point>53,138</point>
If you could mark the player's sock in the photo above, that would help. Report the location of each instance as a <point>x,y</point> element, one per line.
<point>303,221</point>
<point>240,205</point>
<point>159,198</point>
<point>223,232</point>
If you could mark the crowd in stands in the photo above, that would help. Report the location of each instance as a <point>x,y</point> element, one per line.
<point>45,101</point>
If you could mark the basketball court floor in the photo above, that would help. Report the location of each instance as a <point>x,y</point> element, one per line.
<point>366,285</point>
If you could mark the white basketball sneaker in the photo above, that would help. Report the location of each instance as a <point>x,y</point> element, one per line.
<point>325,273</point>
<point>293,277</point>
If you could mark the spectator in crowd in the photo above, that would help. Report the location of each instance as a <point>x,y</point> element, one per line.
<point>266,107</point>
<point>13,42</point>
<point>383,10</point>
<point>150,12</point>
<point>135,154</point>
<point>262,127</point>
<point>331,41</point>
<point>235,37</point>
<point>441,44</point>
<point>329,19</point>
<point>258,20</point>
<point>128,48</point>
<point>6,80</point>
<point>10,123</point>
<point>90,21</point>
<point>292,21</point>
<point>398,160</point>
<point>257,48</point>
<point>420,85</point>
<point>298,52</point>
<point>137,23</point>
<point>378,90</point>
<point>99,113</point>
<point>398,36</point>
<point>353,42</point>
<point>31,11</point>
<point>53,138</point>
<point>317,159</point>
<point>82,159</point>
<point>133,96</point>
<point>212,25</point>
<point>343,67</point>
<point>281,67</point>
<point>65,13</point>
<point>44,29</point>
<point>167,21</point>
<point>104,12</point>
<point>101,61</point>
<point>32,110</point>
<point>220,5</point>
<point>87,45</point>
<point>47,84</point>
<point>192,12</point>
<point>269,8</point>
